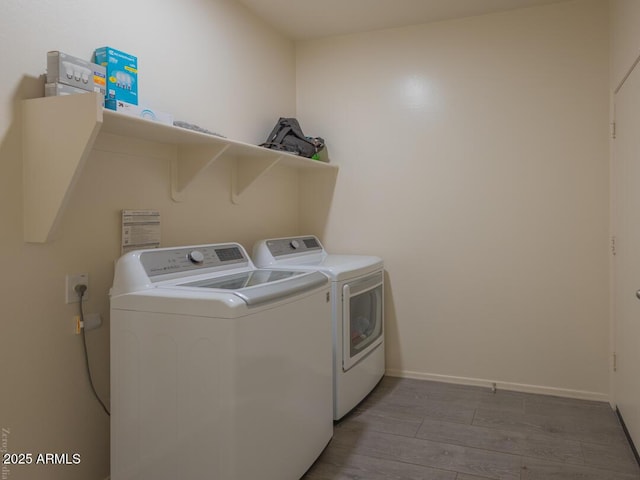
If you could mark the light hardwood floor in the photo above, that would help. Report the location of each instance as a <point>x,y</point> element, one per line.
<point>415,429</point>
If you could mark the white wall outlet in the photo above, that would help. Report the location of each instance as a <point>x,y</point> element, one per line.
<point>71,296</point>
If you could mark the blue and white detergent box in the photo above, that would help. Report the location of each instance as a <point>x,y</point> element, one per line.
<point>122,76</point>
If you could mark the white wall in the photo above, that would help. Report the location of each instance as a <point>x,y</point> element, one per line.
<point>474,158</point>
<point>209,62</point>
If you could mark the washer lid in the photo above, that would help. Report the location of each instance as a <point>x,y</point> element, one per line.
<point>260,286</point>
<point>236,281</point>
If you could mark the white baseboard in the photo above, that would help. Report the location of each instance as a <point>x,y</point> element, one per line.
<point>515,387</point>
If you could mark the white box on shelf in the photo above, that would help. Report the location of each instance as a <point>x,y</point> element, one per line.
<point>76,72</point>
<point>144,112</point>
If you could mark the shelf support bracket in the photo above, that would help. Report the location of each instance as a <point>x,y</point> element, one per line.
<point>191,161</point>
<point>246,171</point>
<point>55,150</point>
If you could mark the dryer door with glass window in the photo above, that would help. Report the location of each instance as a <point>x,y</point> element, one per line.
<point>362,318</point>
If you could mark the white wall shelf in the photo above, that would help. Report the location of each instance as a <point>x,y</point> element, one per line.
<point>59,134</point>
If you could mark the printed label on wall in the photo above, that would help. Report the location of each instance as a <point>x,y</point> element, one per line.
<point>140,229</point>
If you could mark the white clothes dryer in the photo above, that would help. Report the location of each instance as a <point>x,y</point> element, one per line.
<point>357,290</point>
<point>218,369</point>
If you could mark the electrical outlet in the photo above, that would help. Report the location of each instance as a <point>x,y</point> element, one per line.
<point>71,296</point>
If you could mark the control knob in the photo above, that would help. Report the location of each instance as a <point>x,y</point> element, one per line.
<point>196,256</point>
<point>294,244</point>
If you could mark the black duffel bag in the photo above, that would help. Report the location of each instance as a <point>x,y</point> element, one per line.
<point>287,136</point>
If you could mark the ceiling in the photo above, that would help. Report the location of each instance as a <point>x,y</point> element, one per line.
<point>307,19</point>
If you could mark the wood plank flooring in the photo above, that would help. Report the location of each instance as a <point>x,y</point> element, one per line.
<point>423,430</point>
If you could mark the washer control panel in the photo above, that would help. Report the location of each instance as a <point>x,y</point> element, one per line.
<point>175,260</point>
<point>286,246</point>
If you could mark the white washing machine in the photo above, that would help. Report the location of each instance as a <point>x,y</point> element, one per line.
<point>218,369</point>
<point>357,283</point>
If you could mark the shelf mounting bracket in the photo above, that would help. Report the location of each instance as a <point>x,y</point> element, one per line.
<point>246,171</point>
<point>191,161</point>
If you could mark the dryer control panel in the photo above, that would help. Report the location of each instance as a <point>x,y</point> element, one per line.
<point>188,259</point>
<point>287,246</point>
